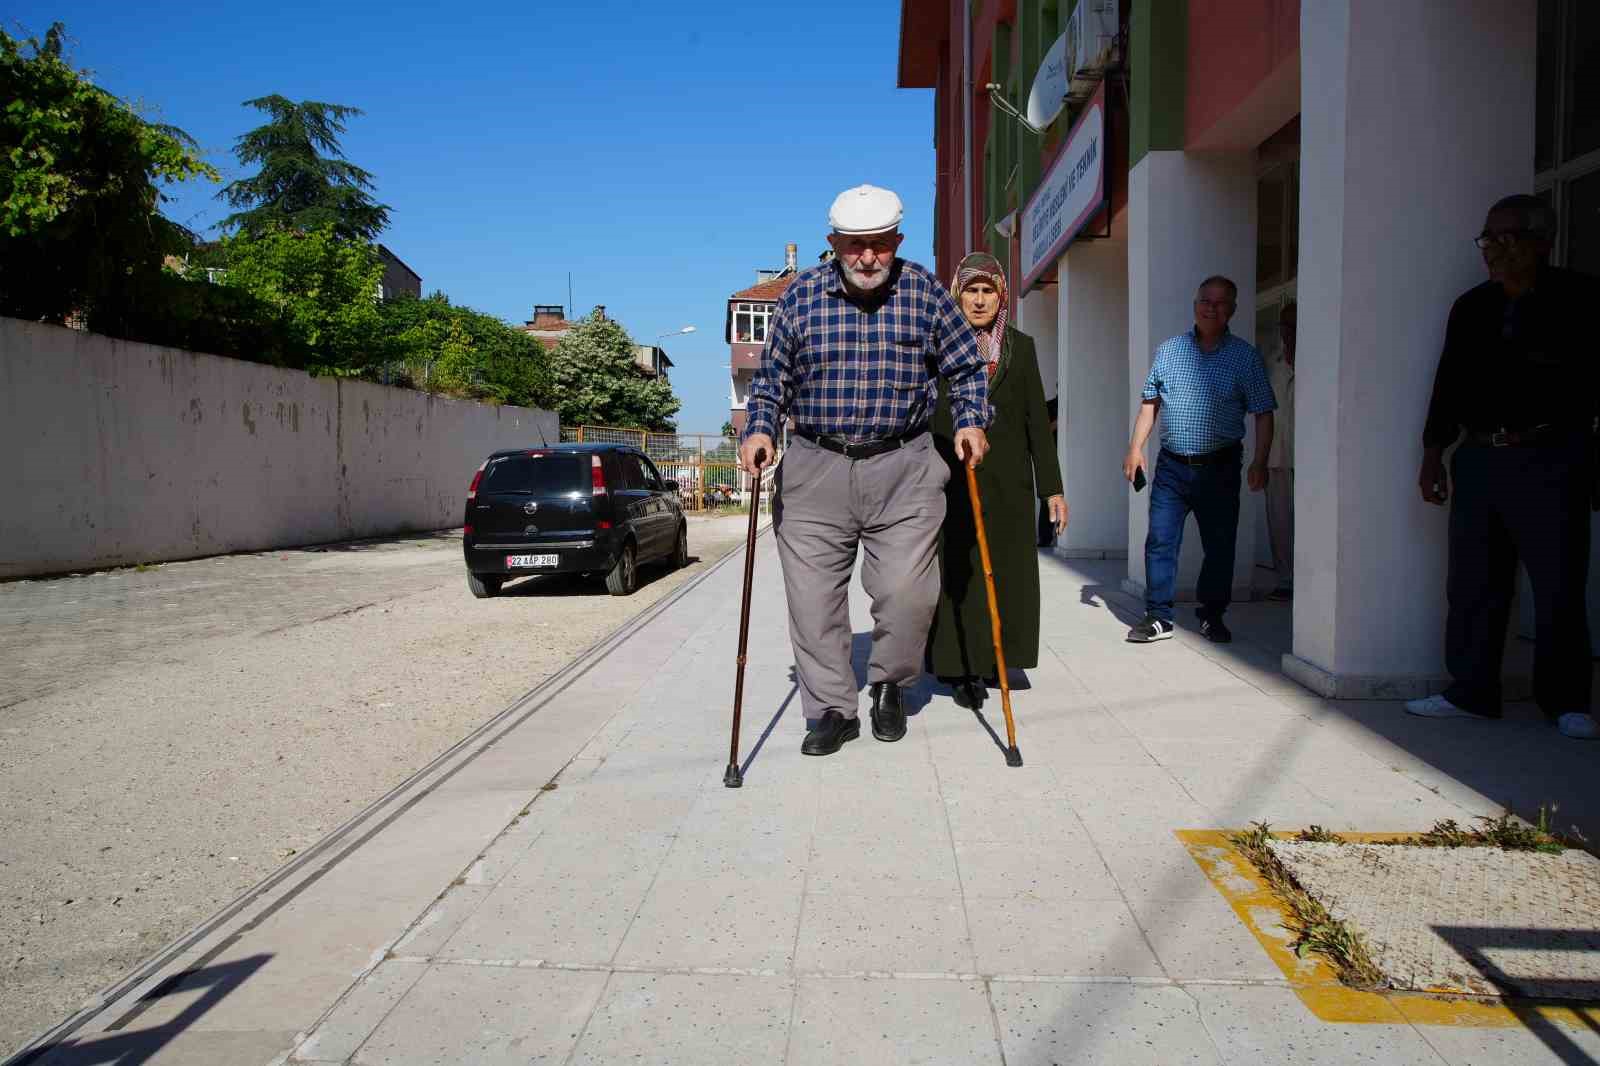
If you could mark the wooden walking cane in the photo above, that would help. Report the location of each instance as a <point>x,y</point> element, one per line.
<point>1013,756</point>
<point>734,777</point>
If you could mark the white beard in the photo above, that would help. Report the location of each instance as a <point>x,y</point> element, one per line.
<point>865,282</point>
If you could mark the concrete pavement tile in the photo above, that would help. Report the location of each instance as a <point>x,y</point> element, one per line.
<point>1100,786</point>
<point>360,1012</point>
<point>1256,1025</point>
<point>910,819</point>
<point>853,863</point>
<point>561,909</point>
<point>771,855</point>
<point>755,808</point>
<point>850,1021</point>
<point>613,808</point>
<point>1157,871</point>
<point>689,1020</point>
<point>1075,938</point>
<point>983,816</point>
<point>883,933</point>
<point>1068,755</point>
<point>1089,1024</point>
<point>1202,940</point>
<point>1538,1044</point>
<point>1033,872</point>
<point>994,777</point>
<point>440,921</point>
<point>485,1015</point>
<point>1113,824</point>
<point>739,921</point>
<point>190,1047</point>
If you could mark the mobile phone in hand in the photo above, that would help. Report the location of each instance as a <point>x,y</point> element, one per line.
<point>1138,479</point>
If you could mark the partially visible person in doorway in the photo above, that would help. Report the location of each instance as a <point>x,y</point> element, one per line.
<point>1280,460</point>
<point>1047,525</point>
<point>1202,383</point>
<point>1022,455</point>
<point>1516,385</point>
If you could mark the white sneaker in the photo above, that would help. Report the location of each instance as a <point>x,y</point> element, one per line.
<point>1437,707</point>
<point>1578,725</point>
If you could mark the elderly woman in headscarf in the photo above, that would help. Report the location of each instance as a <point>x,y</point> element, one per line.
<point>1019,469</point>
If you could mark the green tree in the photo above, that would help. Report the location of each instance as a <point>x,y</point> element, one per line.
<point>597,381</point>
<point>304,181</point>
<point>80,192</point>
<point>318,292</point>
<point>457,351</point>
<point>728,430</point>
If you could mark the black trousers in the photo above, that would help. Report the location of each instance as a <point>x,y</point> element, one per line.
<point>1529,504</point>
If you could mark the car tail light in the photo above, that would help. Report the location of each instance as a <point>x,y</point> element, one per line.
<point>467,531</point>
<point>597,475</point>
<point>472,489</point>
<point>604,523</point>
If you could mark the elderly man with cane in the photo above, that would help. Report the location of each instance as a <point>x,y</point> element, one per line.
<point>854,354</point>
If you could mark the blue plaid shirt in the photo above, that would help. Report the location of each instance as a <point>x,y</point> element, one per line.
<point>1204,395</point>
<point>865,370</point>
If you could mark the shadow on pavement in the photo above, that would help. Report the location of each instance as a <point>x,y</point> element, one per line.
<point>130,1047</point>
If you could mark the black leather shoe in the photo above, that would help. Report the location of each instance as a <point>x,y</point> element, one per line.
<point>888,712</point>
<point>832,730</point>
<point>970,693</point>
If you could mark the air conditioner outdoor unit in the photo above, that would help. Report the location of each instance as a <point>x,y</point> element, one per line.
<point>1092,36</point>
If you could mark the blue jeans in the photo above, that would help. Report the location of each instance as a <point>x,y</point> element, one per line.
<point>1212,493</point>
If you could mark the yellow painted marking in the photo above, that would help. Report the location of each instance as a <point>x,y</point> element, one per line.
<point>1316,982</point>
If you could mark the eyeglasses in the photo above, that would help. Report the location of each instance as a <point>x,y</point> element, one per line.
<point>1503,238</point>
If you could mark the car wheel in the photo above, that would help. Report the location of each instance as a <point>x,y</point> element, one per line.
<point>680,555</point>
<point>483,586</point>
<point>623,577</point>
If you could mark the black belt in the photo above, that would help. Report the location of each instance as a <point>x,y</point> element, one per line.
<point>860,449</point>
<point>1221,455</point>
<point>1516,438</point>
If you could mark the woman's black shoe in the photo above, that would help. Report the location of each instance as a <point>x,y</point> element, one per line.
<point>970,693</point>
<point>832,730</point>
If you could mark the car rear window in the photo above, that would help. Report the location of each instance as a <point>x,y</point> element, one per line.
<point>539,474</point>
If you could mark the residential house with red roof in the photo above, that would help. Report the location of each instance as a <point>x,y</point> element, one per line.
<point>749,314</point>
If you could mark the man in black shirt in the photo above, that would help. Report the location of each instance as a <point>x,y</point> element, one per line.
<point>1517,376</point>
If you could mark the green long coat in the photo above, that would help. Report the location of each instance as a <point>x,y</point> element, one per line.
<point>1022,451</point>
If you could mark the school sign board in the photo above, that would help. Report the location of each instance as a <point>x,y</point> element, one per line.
<point>1073,191</point>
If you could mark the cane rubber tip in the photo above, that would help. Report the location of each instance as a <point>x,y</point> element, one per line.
<point>733,778</point>
<point>1013,757</point>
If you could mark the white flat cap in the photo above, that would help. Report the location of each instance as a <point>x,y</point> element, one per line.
<point>865,209</point>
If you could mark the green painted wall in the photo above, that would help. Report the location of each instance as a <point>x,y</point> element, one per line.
<point>1158,42</point>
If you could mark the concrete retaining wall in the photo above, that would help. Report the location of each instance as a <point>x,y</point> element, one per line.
<point>118,453</point>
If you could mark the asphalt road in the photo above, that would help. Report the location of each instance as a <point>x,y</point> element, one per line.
<point>170,736</point>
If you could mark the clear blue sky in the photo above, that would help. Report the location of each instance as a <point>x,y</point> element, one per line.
<point>660,152</point>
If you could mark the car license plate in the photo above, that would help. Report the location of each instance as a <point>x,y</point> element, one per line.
<point>523,562</point>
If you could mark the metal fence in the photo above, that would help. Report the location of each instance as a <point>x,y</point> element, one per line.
<point>705,466</point>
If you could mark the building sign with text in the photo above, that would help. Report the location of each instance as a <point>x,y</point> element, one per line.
<point>1073,191</point>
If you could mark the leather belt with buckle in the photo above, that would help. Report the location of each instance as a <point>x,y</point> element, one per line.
<point>1232,451</point>
<point>1514,438</point>
<point>860,449</point>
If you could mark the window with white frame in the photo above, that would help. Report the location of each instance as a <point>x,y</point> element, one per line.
<point>750,322</point>
<point>1567,132</point>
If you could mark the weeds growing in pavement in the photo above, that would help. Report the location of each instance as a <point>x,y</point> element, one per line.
<point>1317,835</point>
<point>1505,831</point>
<point>1316,931</point>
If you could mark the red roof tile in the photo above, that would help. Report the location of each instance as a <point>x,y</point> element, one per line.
<point>765,290</point>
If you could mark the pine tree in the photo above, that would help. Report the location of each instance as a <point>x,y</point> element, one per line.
<point>304,182</point>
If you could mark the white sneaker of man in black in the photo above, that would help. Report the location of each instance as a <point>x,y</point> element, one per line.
<point>1150,630</point>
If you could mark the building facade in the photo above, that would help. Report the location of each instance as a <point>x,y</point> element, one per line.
<point>1339,153</point>
<point>745,329</point>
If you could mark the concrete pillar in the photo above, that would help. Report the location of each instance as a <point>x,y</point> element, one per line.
<point>1093,379</point>
<point>1414,119</point>
<point>1036,316</point>
<point>1190,216</point>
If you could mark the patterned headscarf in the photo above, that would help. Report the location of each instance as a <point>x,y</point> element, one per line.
<point>981,266</point>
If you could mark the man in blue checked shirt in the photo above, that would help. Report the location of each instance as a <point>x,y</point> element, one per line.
<point>853,355</point>
<point>1202,383</point>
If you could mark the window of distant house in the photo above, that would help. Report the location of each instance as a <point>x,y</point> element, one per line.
<point>750,323</point>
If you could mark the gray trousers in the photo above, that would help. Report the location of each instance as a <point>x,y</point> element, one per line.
<point>1280,522</point>
<point>891,506</point>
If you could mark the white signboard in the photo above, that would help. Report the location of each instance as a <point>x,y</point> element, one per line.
<point>1072,192</point>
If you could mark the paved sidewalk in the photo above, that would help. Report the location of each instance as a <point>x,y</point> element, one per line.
<point>917,902</point>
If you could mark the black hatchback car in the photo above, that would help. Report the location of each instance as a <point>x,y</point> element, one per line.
<point>571,508</point>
